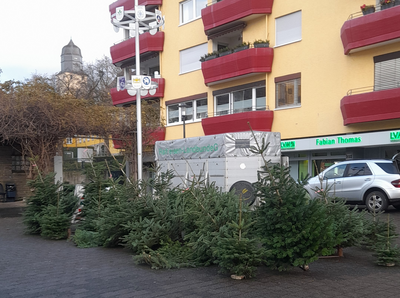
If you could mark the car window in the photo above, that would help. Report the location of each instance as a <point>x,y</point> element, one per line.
<point>336,172</point>
<point>389,168</point>
<point>358,169</point>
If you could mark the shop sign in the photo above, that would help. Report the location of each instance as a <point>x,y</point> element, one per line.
<point>337,140</point>
<point>288,145</point>
<point>395,136</point>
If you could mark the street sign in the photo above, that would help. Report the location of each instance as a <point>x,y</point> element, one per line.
<point>146,82</point>
<point>136,82</point>
<point>140,12</point>
<point>119,13</point>
<point>121,83</point>
<point>158,16</point>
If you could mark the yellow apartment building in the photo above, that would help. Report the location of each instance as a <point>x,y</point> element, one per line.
<point>328,81</point>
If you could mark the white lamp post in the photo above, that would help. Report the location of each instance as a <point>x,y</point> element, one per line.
<point>137,21</point>
<point>183,113</point>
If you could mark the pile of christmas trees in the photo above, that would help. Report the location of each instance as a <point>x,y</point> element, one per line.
<point>170,227</point>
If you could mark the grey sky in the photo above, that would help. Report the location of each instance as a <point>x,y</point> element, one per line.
<point>33,33</point>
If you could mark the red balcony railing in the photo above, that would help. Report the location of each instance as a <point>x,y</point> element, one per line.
<point>372,29</point>
<point>125,51</point>
<point>259,121</point>
<point>228,11</point>
<point>371,106</point>
<point>130,4</point>
<point>121,98</point>
<point>235,65</point>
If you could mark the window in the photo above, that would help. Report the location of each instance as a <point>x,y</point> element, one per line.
<point>288,91</point>
<point>387,71</point>
<point>358,169</point>
<point>194,110</point>
<point>19,164</point>
<point>238,101</point>
<point>190,58</point>
<point>191,10</point>
<point>288,29</point>
<point>389,168</point>
<point>336,172</point>
<point>69,141</point>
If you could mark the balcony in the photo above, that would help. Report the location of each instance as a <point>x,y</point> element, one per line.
<point>122,98</point>
<point>259,121</point>
<point>123,53</point>
<point>236,65</point>
<point>130,4</point>
<point>371,106</point>
<point>371,30</point>
<point>224,12</point>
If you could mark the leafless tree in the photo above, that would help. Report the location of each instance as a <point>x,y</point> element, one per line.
<point>93,82</point>
<point>38,118</point>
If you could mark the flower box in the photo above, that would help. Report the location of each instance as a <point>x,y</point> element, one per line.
<point>211,57</point>
<point>224,53</point>
<point>238,49</point>
<point>367,9</point>
<point>262,45</point>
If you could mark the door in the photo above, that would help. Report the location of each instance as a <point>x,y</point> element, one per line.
<point>358,178</point>
<point>333,180</point>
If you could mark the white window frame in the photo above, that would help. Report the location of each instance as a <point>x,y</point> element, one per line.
<point>296,83</point>
<point>68,141</point>
<point>193,8</point>
<point>189,59</point>
<point>387,73</point>
<point>231,109</point>
<point>288,29</point>
<point>189,111</point>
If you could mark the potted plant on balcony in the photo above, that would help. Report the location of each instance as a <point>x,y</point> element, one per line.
<point>367,9</point>
<point>386,4</point>
<point>241,47</point>
<point>261,43</point>
<point>224,51</point>
<point>209,56</point>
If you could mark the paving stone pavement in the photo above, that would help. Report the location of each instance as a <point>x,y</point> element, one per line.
<point>31,266</point>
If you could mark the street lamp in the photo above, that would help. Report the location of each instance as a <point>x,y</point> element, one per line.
<point>183,113</point>
<point>137,22</point>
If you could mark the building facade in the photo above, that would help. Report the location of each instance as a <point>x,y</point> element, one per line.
<point>329,80</point>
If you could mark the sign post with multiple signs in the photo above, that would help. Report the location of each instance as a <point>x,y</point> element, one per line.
<point>132,20</point>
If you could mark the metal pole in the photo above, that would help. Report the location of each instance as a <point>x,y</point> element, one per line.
<point>184,130</point>
<point>138,99</point>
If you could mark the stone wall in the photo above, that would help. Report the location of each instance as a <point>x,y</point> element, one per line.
<point>8,176</point>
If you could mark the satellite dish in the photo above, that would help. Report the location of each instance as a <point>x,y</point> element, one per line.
<point>132,92</point>
<point>152,91</point>
<point>245,190</point>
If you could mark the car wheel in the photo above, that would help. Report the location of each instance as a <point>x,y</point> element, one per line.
<point>376,201</point>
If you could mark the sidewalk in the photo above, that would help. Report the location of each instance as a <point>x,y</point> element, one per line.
<point>11,209</point>
<point>33,267</point>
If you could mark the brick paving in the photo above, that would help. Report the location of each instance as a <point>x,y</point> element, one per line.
<point>31,266</point>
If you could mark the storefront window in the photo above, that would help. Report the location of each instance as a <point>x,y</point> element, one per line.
<point>303,169</point>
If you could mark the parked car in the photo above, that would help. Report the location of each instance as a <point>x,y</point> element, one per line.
<point>373,183</point>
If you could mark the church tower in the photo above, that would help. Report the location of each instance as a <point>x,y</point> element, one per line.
<point>71,58</point>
